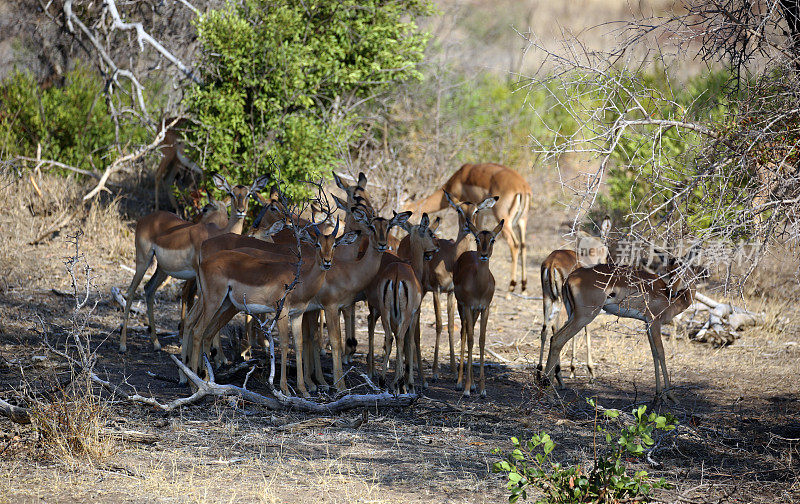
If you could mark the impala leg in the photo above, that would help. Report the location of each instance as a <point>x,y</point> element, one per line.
<point>210,321</point>
<point>437,310</point>
<point>192,319</point>
<point>659,360</point>
<point>470,324</point>
<point>460,381</point>
<point>561,338</point>
<point>416,329</point>
<point>307,345</point>
<point>248,339</point>
<point>589,363</point>
<point>150,289</point>
<point>142,263</point>
<point>315,332</point>
<point>372,319</point>
<point>513,248</point>
<point>387,351</point>
<point>572,360</point>
<point>297,332</point>
<point>405,344</point>
<point>351,343</point>
<point>188,291</point>
<point>522,224</point>
<point>548,323</point>
<point>451,312</point>
<point>283,331</point>
<point>335,336</point>
<point>481,346</point>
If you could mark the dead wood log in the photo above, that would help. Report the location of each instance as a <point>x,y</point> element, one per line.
<point>120,299</point>
<point>15,413</point>
<point>131,436</point>
<point>710,321</point>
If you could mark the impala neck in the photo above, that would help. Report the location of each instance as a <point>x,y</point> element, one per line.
<point>461,243</point>
<point>235,224</point>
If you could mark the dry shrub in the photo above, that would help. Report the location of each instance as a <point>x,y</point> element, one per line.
<point>71,424</point>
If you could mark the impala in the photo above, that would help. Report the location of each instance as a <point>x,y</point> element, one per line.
<point>350,274</point>
<point>176,247</point>
<point>626,292</point>
<point>474,182</point>
<point>173,157</point>
<point>555,269</point>
<point>438,274</point>
<point>238,280</point>
<point>393,295</point>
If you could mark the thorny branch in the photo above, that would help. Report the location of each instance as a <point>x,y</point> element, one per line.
<point>718,168</point>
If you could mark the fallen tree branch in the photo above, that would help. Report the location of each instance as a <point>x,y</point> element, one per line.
<point>49,162</point>
<point>16,414</point>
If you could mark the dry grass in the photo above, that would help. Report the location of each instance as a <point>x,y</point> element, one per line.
<point>70,424</point>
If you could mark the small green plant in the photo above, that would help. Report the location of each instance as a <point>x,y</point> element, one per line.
<point>531,464</point>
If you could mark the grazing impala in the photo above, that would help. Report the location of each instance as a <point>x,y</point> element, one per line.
<point>555,270</point>
<point>176,247</point>
<point>626,292</point>
<point>474,182</point>
<point>239,280</point>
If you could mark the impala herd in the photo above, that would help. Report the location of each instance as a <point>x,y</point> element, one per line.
<point>299,269</point>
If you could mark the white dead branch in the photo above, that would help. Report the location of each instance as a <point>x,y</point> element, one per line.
<point>710,321</point>
<point>119,162</point>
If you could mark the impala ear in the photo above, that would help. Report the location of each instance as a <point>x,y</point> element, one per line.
<point>487,203</point>
<point>362,180</point>
<point>339,202</point>
<point>498,227</point>
<point>347,238</point>
<point>275,228</point>
<point>399,219</point>
<point>341,185</point>
<point>435,224</point>
<point>424,222</point>
<point>274,194</point>
<point>306,237</point>
<point>605,227</point>
<point>260,183</point>
<point>221,183</point>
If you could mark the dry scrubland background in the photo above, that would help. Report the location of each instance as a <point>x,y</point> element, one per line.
<point>740,402</point>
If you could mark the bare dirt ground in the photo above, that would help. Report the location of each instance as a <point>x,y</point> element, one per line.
<point>741,403</point>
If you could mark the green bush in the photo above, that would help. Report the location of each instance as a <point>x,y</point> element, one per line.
<point>650,166</point>
<point>531,465</point>
<point>484,118</point>
<point>279,79</point>
<point>72,123</point>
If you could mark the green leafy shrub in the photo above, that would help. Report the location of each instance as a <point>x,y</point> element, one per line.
<point>71,123</point>
<point>281,80</point>
<point>649,167</point>
<point>531,465</point>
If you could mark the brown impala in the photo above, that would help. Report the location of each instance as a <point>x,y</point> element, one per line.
<point>475,182</point>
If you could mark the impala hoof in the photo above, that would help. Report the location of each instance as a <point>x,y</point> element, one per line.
<point>483,393</point>
<point>512,285</point>
<point>459,386</point>
<point>466,393</point>
<point>156,345</point>
<point>435,377</point>
<point>123,349</point>
<point>523,286</point>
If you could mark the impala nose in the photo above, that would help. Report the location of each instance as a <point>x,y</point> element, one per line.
<point>326,265</point>
<point>484,258</point>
